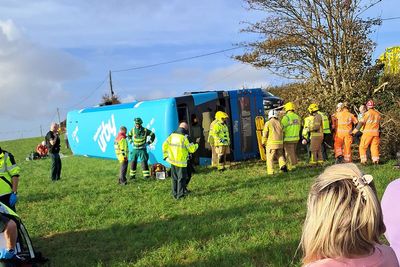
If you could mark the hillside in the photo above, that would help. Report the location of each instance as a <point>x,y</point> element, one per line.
<point>238,218</point>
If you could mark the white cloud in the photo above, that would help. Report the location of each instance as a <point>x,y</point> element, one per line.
<point>31,84</point>
<point>237,76</point>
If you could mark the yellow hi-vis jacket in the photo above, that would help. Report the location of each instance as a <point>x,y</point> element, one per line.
<point>220,134</point>
<point>8,169</point>
<point>121,149</point>
<point>5,210</point>
<point>176,149</point>
<point>325,123</point>
<point>291,124</point>
<point>272,134</point>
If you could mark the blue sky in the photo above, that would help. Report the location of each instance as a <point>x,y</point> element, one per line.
<point>55,53</point>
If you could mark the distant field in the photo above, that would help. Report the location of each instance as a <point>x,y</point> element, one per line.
<point>238,218</point>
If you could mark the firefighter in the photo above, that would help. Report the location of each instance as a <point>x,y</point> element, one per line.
<point>138,137</point>
<point>327,134</point>
<point>339,107</point>
<point>313,128</point>
<point>370,121</point>
<point>176,151</point>
<point>210,140</point>
<point>272,139</point>
<point>122,152</point>
<point>343,137</point>
<point>291,123</point>
<point>9,174</point>
<point>220,138</point>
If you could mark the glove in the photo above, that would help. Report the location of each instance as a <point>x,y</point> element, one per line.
<point>304,142</point>
<point>7,254</point>
<point>13,199</point>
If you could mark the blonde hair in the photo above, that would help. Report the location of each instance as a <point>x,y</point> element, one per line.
<point>344,218</point>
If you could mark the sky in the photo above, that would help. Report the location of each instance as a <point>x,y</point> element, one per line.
<point>56,55</point>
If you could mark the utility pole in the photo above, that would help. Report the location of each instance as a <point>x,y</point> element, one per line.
<point>58,114</point>
<point>111,87</point>
<point>41,131</point>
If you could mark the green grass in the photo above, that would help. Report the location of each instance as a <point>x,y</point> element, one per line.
<point>238,218</point>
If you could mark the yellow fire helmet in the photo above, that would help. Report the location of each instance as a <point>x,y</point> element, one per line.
<point>220,115</point>
<point>313,107</point>
<point>289,106</point>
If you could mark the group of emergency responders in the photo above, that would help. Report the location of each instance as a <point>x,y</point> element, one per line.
<point>280,137</point>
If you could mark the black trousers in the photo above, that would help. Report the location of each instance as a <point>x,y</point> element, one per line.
<point>55,166</point>
<point>122,172</point>
<point>179,176</point>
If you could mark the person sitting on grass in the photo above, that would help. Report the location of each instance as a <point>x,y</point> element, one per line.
<point>344,221</point>
<point>42,149</point>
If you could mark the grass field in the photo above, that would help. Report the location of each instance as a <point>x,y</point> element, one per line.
<point>238,218</point>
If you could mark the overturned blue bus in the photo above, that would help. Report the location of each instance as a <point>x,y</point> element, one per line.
<point>91,131</point>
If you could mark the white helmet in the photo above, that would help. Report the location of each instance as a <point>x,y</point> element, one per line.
<point>272,114</point>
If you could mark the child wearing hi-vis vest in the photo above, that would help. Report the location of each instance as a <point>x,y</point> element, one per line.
<point>122,152</point>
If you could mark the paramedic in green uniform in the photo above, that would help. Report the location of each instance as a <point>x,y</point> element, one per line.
<point>138,137</point>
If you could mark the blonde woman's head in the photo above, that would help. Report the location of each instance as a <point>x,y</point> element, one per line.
<point>344,217</point>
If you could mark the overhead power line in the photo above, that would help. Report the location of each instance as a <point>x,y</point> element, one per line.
<point>393,18</point>
<point>177,60</point>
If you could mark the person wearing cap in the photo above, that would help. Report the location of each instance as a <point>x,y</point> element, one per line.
<point>291,123</point>
<point>176,151</point>
<point>219,133</point>
<point>9,174</point>
<point>343,136</point>
<point>313,127</point>
<point>391,215</point>
<point>140,138</point>
<point>272,139</point>
<point>53,143</point>
<point>370,138</point>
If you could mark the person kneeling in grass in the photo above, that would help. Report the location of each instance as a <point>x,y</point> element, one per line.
<point>344,221</point>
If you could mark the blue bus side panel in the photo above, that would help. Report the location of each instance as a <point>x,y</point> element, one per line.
<point>92,131</point>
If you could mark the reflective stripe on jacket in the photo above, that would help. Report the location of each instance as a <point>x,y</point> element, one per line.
<point>138,137</point>
<point>345,122</point>
<point>220,134</point>
<point>371,120</point>
<point>177,148</point>
<point>325,125</point>
<point>8,169</point>
<point>291,124</point>
<point>272,134</point>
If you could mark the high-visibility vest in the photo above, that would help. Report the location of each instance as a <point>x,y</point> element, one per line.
<point>121,149</point>
<point>220,134</point>
<point>291,124</point>
<point>371,120</point>
<point>177,148</point>
<point>5,210</point>
<point>307,126</point>
<point>345,121</point>
<point>8,169</point>
<point>272,134</point>
<point>139,137</point>
<point>325,123</point>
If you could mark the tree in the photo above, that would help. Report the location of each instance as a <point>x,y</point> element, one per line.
<point>323,42</point>
<point>106,100</point>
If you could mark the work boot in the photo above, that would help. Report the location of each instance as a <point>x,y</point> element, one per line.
<point>339,160</point>
<point>284,168</point>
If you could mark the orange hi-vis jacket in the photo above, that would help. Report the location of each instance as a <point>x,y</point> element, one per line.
<point>371,120</point>
<point>345,122</point>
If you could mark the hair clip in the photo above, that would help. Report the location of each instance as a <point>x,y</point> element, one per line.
<point>361,182</point>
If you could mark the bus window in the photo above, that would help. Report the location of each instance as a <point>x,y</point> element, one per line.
<point>246,125</point>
